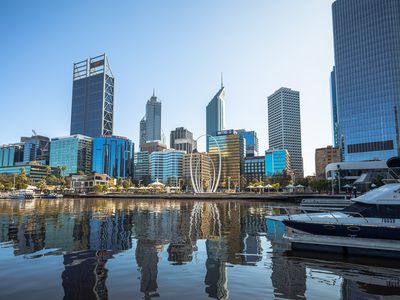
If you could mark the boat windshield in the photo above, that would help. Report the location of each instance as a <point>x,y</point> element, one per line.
<point>374,211</point>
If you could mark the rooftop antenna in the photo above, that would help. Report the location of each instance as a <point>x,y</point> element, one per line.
<point>154,92</point>
<point>222,80</point>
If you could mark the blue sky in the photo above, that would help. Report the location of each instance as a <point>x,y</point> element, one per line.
<point>177,47</point>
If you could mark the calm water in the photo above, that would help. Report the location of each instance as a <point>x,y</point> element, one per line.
<point>123,249</point>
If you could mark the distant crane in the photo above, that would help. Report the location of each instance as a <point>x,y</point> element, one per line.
<point>34,132</point>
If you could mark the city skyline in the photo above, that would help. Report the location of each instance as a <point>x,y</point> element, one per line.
<point>183,71</point>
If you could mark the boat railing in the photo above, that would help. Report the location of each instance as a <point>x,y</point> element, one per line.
<point>304,212</point>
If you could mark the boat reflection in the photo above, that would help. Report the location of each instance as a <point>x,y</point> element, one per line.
<point>222,235</point>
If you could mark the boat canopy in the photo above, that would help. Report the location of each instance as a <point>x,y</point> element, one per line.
<point>388,194</point>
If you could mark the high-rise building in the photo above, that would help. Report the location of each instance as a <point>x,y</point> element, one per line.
<point>11,154</point>
<point>251,140</point>
<point>215,113</point>
<point>231,145</point>
<point>36,148</point>
<point>92,111</point>
<point>150,125</point>
<point>166,166</point>
<point>335,123</point>
<point>284,129</point>
<point>201,163</point>
<point>152,146</point>
<point>141,167</point>
<point>323,157</point>
<point>74,152</point>
<point>182,139</point>
<point>112,155</point>
<point>254,168</point>
<point>277,162</point>
<point>367,76</point>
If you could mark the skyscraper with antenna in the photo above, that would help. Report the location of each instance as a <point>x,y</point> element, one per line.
<point>215,112</point>
<point>150,125</point>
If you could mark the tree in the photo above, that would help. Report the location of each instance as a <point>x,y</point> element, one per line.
<point>42,185</point>
<point>21,181</point>
<point>125,184</point>
<point>320,185</point>
<point>98,188</point>
<point>243,182</point>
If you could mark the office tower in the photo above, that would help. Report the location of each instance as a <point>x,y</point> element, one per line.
<point>92,111</point>
<point>11,154</point>
<point>335,123</point>
<point>182,139</point>
<point>150,125</point>
<point>251,140</point>
<point>166,166</point>
<point>112,155</point>
<point>74,152</point>
<point>141,167</point>
<point>201,163</point>
<point>153,146</point>
<point>36,148</point>
<point>323,157</point>
<point>277,161</point>
<point>367,75</point>
<point>254,168</point>
<point>231,145</point>
<point>215,113</point>
<point>284,130</point>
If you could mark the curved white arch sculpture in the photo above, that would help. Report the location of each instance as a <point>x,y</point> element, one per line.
<point>197,181</point>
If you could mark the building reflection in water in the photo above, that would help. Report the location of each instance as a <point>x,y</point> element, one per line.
<point>88,233</point>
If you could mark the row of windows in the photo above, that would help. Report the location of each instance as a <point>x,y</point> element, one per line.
<point>372,146</point>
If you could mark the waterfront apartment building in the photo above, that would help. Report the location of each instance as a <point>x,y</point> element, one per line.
<point>112,155</point>
<point>215,114</point>
<point>284,129</point>
<point>231,145</point>
<point>254,168</point>
<point>152,146</point>
<point>74,152</point>
<point>11,154</point>
<point>366,37</point>
<point>182,139</point>
<point>323,157</point>
<point>150,125</point>
<point>277,161</point>
<point>36,148</point>
<point>141,167</point>
<point>166,166</point>
<point>92,111</point>
<point>251,140</point>
<point>201,165</point>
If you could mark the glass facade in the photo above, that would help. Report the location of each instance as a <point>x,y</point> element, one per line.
<point>36,148</point>
<point>166,166</point>
<point>92,98</point>
<point>112,155</point>
<point>367,77</point>
<point>251,140</point>
<point>335,135</point>
<point>35,172</point>
<point>276,161</point>
<point>11,154</point>
<point>231,145</point>
<point>142,167</point>
<point>215,114</point>
<point>150,125</point>
<point>284,127</point>
<point>74,152</point>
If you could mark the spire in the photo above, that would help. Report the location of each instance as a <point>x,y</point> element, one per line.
<point>154,92</point>
<point>222,80</point>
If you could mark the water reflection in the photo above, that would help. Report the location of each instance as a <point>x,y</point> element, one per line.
<point>222,244</point>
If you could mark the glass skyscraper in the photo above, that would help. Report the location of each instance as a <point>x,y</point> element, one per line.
<point>166,166</point>
<point>74,152</point>
<point>251,140</point>
<point>277,161</point>
<point>215,114</point>
<point>284,128</point>
<point>36,148</point>
<point>142,167</point>
<point>367,76</point>
<point>112,155</point>
<point>11,154</point>
<point>150,125</point>
<point>92,111</point>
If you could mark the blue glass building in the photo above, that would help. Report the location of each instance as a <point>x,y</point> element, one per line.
<point>335,135</point>
<point>251,141</point>
<point>112,155</point>
<point>367,77</point>
<point>36,148</point>
<point>276,161</point>
<point>74,152</point>
<point>215,114</point>
<point>92,111</point>
<point>166,166</point>
<point>11,154</point>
